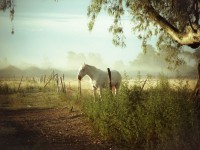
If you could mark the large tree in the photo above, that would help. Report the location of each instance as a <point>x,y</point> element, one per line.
<point>171,20</point>
<point>174,21</point>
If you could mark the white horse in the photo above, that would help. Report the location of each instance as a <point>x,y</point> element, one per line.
<point>100,79</point>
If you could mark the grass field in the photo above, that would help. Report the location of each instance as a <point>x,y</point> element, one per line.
<point>146,114</point>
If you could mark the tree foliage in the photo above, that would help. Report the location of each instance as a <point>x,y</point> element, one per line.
<point>176,22</point>
<point>8,4</point>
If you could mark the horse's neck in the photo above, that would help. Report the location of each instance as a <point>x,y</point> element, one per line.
<point>94,73</point>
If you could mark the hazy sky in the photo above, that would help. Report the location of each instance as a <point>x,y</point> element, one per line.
<point>46,31</point>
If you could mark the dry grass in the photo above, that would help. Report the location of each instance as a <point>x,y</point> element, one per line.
<point>32,100</point>
<point>154,82</point>
<point>33,94</point>
<point>85,84</point>
<point>30,95</point>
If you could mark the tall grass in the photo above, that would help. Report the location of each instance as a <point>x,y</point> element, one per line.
<point>159,117</point>
<point>30,95</point>
<point>6,89</point>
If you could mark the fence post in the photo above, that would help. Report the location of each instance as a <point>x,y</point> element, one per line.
<point>69,89</point>
<point>109,75</point>
<point>44,78</point>
<point>79,87</point>
<point>62,84</point>
<point>64,87</point>
<point>20,83</point>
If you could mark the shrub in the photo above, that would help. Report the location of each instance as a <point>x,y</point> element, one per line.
<point>159,117</point>
<point>6,89</point>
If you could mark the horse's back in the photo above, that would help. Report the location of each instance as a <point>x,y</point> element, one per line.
<point>115,77</point>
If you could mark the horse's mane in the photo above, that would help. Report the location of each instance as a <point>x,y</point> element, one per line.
<point>92,68</point>
<point>86,65</point>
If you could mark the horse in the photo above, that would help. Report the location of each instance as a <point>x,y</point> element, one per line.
<point>99,78</point>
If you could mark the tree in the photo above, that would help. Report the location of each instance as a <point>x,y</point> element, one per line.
<point>8,4</point>
<point>174,21</point>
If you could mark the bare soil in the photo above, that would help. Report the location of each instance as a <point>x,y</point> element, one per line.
<point>55,129</point>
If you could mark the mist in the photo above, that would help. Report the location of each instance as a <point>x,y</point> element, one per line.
<point>75,60</point>
<point>4,63</point>
<point>152,62</point>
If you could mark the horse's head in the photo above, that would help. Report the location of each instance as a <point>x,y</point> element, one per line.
<point>82,71</point>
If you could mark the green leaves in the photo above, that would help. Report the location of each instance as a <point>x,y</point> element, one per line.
<point>113,8</point>
<point>157,117</point>
<point>177,15</point>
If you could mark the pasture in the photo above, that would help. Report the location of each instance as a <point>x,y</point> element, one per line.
<point>147,113</point>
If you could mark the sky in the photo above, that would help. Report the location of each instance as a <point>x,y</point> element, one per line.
<point>47,33</point>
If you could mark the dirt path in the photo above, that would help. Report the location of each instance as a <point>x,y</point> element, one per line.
<point>47,129</point>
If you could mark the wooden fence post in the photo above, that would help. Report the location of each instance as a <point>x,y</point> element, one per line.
<point>69,89</point>
<point>44,78</point>
<point>79,87</point>
<point>20,84</point>
<point>64,87</point>
<point>55,82</point>
<point>109,75</point>
<point>62,84</point>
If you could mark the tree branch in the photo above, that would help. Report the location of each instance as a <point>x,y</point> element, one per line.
<point>189,37</point>
<point>190,22</point>
<point>196,11</point>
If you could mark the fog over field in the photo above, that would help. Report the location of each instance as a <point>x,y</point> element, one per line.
<point>150,63</point>
<point>55,36</point>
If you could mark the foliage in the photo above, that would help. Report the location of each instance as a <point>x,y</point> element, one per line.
<point>8,4</point>
<point>159,117</point>
<point>164,19</point>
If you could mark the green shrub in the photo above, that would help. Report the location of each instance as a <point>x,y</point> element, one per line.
<point>159,117</point>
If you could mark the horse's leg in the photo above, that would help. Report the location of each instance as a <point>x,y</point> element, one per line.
<point>94,94</point>
<point>116,88</point>
<point>100,91</point>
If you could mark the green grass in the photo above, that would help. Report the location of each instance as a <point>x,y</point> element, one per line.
<point>160,117</point>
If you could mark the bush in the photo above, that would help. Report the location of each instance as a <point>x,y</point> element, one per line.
<point>159,117</point>
<point>6,89</point>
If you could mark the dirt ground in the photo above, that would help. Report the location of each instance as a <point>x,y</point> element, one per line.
<point>57,129</point>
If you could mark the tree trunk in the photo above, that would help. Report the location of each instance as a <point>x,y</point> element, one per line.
<point>197,88</point>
